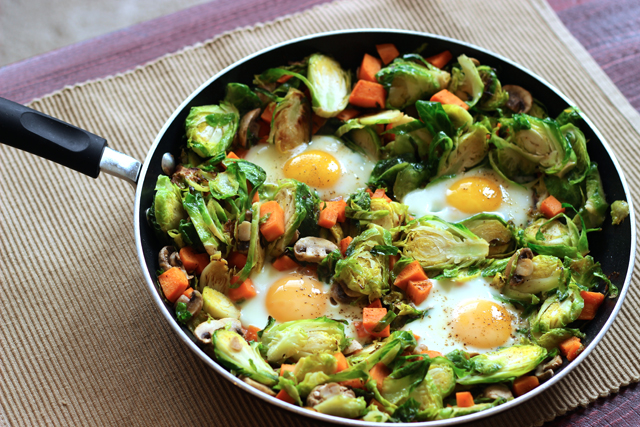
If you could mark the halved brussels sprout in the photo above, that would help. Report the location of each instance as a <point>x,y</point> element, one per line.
<point>363,139</point>
<point>547,273</point>
<point>397,387</point>
<point>211,128</point>
<point>552,237</point>
<point>294,213</point>
<point>395,218</point>
<point>331,85</point>
<point>460,118</point>
<point>466,83</point>
<point>384,351</point>
<point>291,123</point>
<point>495,231</point>
<point>363,271</point>
<point>554,337</point>
<point>216,275</point>
<point>503,365</point>
<point>467,150</point>
<point>407,81</point>
<point>235,353</point>
<point>443,376</point>
<point>494,96</point>
<point>578,144</point>
<point>168,204</point>
<point>558,313</point>
<point>427,394</point>
<point>300,338</point>
<point>439,245</point>
<point>540,142</point>
<point>322,362</point>
<point>218,305</point>
<point>509,163</point>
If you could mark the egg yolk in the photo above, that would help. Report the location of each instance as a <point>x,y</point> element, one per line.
<point>474,194</point>
<point>315,168</point>
<point>481,323</point>
<point>296,297</point>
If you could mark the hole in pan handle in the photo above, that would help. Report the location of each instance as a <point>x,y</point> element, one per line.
<point>37,133</point>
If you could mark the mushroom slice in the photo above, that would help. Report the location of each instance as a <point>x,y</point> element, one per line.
<point>339,294</point>
<point>204,331</point>
<point>248,124</point>
<point>496,391</point>
<point>195,303</point>
<point>353,347</point>
<point>520,99</point>
<point>313,249</point>
<point>169,257</point>
<point>521,265</point>
<point>326,391</point>
<point>255,384</point>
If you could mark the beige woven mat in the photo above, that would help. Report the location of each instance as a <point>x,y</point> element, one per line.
<point>81,341</point>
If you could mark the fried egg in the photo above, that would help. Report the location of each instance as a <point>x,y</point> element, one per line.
<point>466,194</point>
<point>464,315</point>
<point>325,164</point>
<point>293,295</point>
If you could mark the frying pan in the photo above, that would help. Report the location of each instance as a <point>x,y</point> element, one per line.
<point>84,152</point>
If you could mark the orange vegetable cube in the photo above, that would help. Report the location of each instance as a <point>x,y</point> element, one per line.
<point>369,68</point>
<point>551,207</point>
<point>245,291</point>
<point>273,227</point>
<point>464,399</point>
<point>418,291</point>
<point>251,333</point>
<point>368,94</point>
<point>411,272</point>
<point>173,282</point>
<point>446,97</point>
<point>284,263</point>
<point>592,301</point>
<point>525,384</point>
<point>370,319</point>
<point>388,52</point>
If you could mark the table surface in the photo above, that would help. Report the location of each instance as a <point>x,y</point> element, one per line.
<point>609,29</point>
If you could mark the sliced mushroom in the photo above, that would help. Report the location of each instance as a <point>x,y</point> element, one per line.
<point>244,231</point>
<point>354,346</point>
<point>520,99</point>
<point>195,303</point>
<point>475,62</point>
<point>204,331</point>
<point>544,375</point>
<point>554,363</point>
<point>313,249</point>
<point>338,293</point>
<point>497,391</point>
<point>168,258</point>
<point>249,123</point>
<point>326,391</point>
<point>255,384</point>
<point>521,262</point>
<point>544,372</point>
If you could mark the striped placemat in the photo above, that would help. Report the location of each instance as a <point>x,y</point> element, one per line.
<point>81,342</point>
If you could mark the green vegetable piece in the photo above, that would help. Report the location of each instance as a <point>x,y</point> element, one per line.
<point>495,231</point>
<point>460,118</point>
<point>503,365</point>
<point>331,85</point>
<point>341,405</point>
<point>466,151</point>
<point>395,218</point>
<point>168,204</point>
<point>407,81</point>
<point>301,338</point>
<point>321,362</point>
<point>291,123</point>
<point>595,209</point>
<point>194,205</point>
<point>494,96</point>
<point>381,351</point>
<point>441,372</point>
<point>466,83</point>
<point>397,387</point>
<point>578,144</point>
<point>552,237</point>
<point>455,411</point>
<point>375,415</point>
<point>182,314</point>
<point>218,305</point>
<point>554,337</point>
<point>440,245</point>
<point>619,211</point>
<point>362,271</point>
<point>241,97</point>
<point>557,312</point>
<point>235,353</point>
<point>211,128</point>
<point>427,395</point>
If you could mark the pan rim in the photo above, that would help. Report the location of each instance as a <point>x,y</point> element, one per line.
<point>344,421</point>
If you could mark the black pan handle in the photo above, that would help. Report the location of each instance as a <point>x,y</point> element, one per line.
<point>37,133</point>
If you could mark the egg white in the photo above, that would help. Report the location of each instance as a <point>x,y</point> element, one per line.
<point>435,330</point>
<point>355,167</point>
<point>515,206</point>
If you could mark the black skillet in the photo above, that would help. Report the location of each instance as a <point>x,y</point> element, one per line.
<point>84,152</point>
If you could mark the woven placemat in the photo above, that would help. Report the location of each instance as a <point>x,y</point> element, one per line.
<point>81,342</point>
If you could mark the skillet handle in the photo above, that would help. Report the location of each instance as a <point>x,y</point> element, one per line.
<point>42,135</point>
